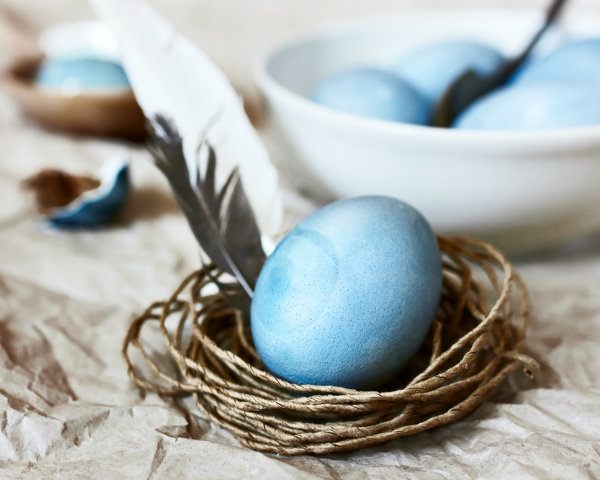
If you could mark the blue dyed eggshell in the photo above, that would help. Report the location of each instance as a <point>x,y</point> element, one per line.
<point>576,62</point>
<point>81,73</point>
<point>532,107</point>
<point>348,295</point>
<point>431,69</point>
<point>374,93</point>
<point>97,209</point>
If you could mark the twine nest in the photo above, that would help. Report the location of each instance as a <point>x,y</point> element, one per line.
<point>475,342</point>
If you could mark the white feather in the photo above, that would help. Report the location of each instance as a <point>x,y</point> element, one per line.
<point>172,76</point>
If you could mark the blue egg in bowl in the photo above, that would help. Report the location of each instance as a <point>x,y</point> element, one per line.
<point>534,107</point>
<point>431,68</point>
<point>96,207</point>
<point>76,84</point>
<point>348,295</point>
<point>81,73</point>
<point>373,92</point>
<point>575,62</point>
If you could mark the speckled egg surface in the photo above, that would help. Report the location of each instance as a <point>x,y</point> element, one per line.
<point>533,107</point>
<point>431,69</point>
<point>81,73</point>
<point>576,62</point>
<point>348,296</point>
<point>373,92</point>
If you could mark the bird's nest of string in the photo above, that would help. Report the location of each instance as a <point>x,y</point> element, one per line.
<point>474,343</point>
<point>198,341</point>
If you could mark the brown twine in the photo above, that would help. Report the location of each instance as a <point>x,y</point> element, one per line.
<point>472,347</point>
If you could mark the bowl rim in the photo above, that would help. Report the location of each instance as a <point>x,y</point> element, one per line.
<point>551,138</point>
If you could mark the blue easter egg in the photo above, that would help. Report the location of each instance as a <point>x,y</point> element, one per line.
<point>530,107</point>
<point>81,73</point>
<point>431,69</point>
<point>348,296</point>
<point>575,62</point>
<point>372,92</point>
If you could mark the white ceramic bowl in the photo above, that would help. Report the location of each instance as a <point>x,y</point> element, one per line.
<point>522,190</point>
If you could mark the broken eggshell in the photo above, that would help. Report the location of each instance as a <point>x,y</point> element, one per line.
<point>96,207</point>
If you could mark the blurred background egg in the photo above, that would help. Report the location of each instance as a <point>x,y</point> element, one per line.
<point>348,296</point>
<point>375,93</point>
<point>530,107</point>
<point>432,68</point>
<point>576,62</point>
<point>81,74</point>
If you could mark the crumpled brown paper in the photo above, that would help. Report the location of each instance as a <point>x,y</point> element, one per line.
<point>68,410</point>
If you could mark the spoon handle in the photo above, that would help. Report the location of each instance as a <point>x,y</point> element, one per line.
<point>551,16</point>
<point>471,86</point>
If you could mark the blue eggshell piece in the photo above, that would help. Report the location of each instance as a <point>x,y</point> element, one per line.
<point>375,93</point>
<point>531,107</point>
<point>431,69</point>
<point>348,296</point>
<point>81,73</point>
<point>98,207</point>
<point>576,62</point>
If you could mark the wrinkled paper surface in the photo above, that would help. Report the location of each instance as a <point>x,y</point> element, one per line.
<point>68,409</point>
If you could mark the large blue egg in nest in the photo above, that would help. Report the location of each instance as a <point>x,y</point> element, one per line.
<point>348,296</point>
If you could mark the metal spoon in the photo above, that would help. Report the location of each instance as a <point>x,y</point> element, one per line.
<point>471,86</point>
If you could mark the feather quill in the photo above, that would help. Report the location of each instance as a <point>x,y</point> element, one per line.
<point>173,77</point>
<point>221,219</point>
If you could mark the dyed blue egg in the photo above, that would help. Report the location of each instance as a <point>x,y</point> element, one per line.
<point>348,296</point>
<point>372,92</point>
<point>432,68</point>
<point>531,107</point>
<point>576,62</point>
<point>81,73</point>
<point>96,207</point>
